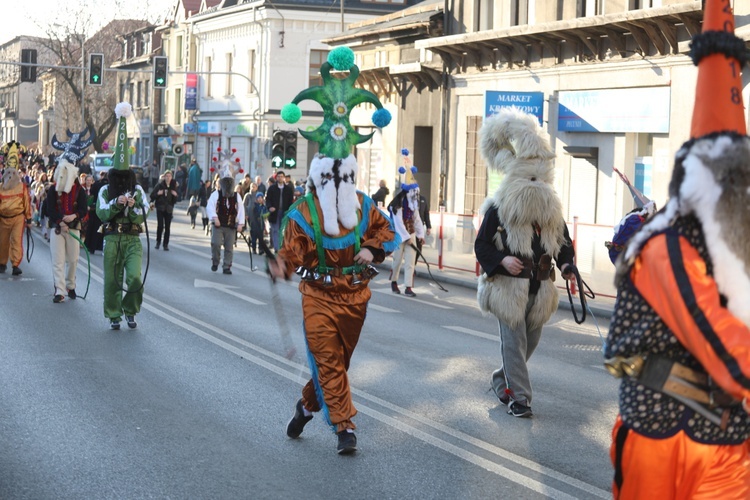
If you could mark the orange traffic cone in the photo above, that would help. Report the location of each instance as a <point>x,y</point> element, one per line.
<point>718,94</point>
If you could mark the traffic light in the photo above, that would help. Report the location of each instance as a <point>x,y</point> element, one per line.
<point>28,73</point>
<point>290,149</point>
<point>277,148</point>
<point>160,72</point>
<point>96,68</point>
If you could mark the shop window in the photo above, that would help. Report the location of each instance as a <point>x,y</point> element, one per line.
<point>317,58</point>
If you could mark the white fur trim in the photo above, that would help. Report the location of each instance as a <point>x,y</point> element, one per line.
<point>123,110</point>
<point>337,206</point>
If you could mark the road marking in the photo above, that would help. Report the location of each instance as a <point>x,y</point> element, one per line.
<point>382,309</point>
<point>296,377</point>
<point>207,255</point>
<point>425,302</point>
<point>226,289</point>
<point>469,331</point>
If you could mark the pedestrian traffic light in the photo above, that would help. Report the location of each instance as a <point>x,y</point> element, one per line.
<point>96,68</point>
<point>28,73</point>
<point>290,149</point>
<point>277,148</point>
<point>160,72</point>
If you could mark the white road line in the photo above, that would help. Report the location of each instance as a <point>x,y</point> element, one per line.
<point>454,450</point>
<point>226,289</point>
<point>382,309</point>
<point>207,255</point>
<point>425,302</point>
<point>469,331</point>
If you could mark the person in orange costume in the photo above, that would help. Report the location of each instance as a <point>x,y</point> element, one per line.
<point>15,209</point>
<point>680,333</point>
<point>330,237</point>
<point>334,295</point>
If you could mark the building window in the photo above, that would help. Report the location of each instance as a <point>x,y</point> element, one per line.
<point>483,17</point>
<point>317,58</point>
<point>131,92</point>
<point>519,12</point>
<point>177,106</point>
<point>208,77</point>
<point>251,71</point>
<point>229,77</point>
<point>147,94</point>
<point>178,49</point>
<point>123,88</point>
<point>139,94</point>
<point>476,170</point>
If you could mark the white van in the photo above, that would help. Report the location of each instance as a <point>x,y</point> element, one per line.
<point>100,162</point>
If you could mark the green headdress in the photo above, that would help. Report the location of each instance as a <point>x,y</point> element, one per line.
<point>337,97</point>
<point>121,160</point>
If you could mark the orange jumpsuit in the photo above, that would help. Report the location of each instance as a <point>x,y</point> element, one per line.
<point>15,210</point>
<point>669,305</point>
<point>334,314</point>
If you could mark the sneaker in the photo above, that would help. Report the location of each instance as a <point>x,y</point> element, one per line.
<point>131,321</point>
<point>166,247</point>
<point>227,271</point>
<point>519,410</point>
<point>394,287</point>
<point>409,292</point>
<point>297,423</point>
<point>114,324</point>
<point>58,298</point>
<point>16,271</point>
<point>347,442</point>
<point>214,267</point>
<point>72,294</point>
<point>3,268</point>
<point>158,243</point>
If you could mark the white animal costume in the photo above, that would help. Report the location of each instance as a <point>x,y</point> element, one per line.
<point>522,231</point>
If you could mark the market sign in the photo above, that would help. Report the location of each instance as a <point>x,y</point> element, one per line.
<point>529,102</point>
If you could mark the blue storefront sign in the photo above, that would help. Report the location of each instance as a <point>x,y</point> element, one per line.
<point>637,110</point>
<point>530,102</point>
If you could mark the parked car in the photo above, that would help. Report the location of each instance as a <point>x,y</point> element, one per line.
<point>100,162</point>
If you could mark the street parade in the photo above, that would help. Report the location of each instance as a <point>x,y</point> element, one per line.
<point>432,250</point>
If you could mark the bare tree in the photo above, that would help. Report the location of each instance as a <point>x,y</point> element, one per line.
<point>69,44</point>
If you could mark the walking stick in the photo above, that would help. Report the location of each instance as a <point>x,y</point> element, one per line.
<point>249,251</point>
<point>286,338</point>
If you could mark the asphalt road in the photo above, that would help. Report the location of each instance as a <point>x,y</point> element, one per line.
<point>194,402</point>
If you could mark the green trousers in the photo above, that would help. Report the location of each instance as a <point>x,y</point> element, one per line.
<point>122,252</point>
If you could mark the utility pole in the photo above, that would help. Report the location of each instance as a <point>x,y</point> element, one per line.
<point>342,16</point>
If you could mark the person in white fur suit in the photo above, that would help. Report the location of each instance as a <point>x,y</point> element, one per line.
<point>523,230</point>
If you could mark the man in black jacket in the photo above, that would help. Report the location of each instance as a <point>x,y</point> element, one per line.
<point>164,196</point>
<point>380,194</point>
<point>279,198</point>
<point>94,240</point>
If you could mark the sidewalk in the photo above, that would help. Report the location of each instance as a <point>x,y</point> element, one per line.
<point>601,306</point>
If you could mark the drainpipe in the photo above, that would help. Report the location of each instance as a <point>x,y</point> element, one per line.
<point>444,118</point>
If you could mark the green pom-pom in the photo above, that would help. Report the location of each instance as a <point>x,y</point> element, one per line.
<point>341,58</point>
<point>291,113</point>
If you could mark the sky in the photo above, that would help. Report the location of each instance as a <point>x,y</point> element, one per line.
<point>37,13</point>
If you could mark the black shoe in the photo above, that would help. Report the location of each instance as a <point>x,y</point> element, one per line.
<point>58,299</point>
<point>16,271</point>
<point>347,442</point>
<point>297,423</point>
<point>214,267</point>
<point>3,268</point>
<point>519,410</point>
<point>158,243</point>
<point>394,287</point>
<point>503,396</point>
<point>131,321</point>
<point>114,324</point>
<point>166,247</point>
<point>409,293</point>
<point>227,271</point>
<point>72,294</point>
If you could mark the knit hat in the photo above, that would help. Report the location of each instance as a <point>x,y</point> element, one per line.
<point>121,159</point>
